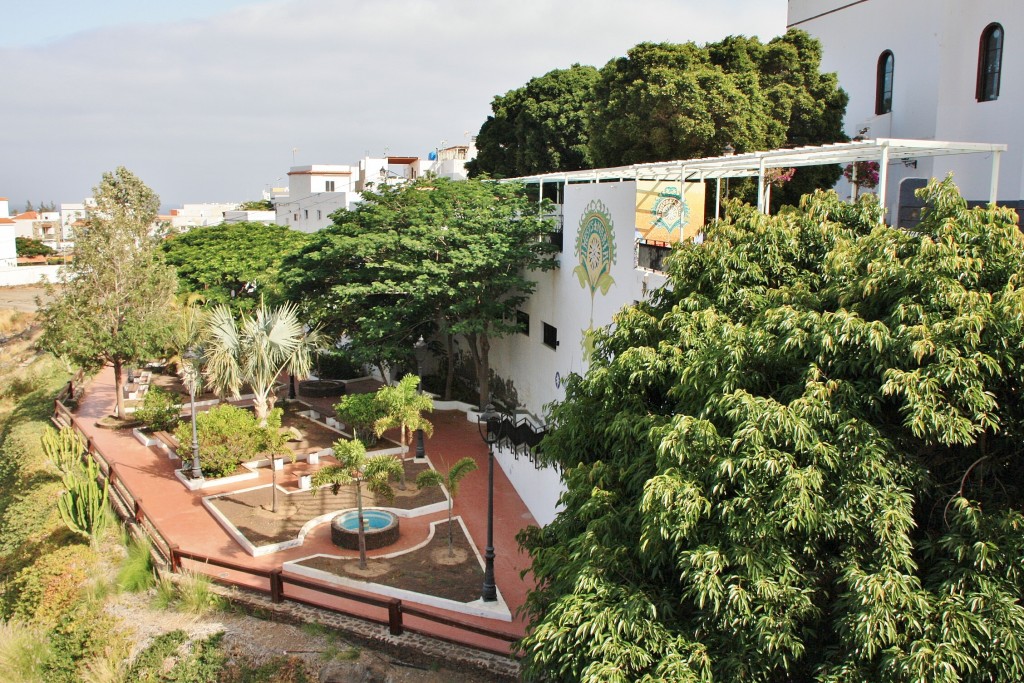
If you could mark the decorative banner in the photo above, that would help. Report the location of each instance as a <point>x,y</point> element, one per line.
<point>595,248</point>
<point>662,215</point>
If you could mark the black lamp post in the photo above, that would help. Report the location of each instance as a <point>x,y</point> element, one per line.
<point>486,423</point>
<point>420,348</point>
<point>193,372</point>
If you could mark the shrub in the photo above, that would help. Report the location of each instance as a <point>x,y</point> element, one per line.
<point>43,591</point>
<point>337,365</point>
<point>170,657</point>
<point>228,436</point>
<point>360,412</point>
<point>160,410</point>
<point>63,448</point>
<point>81,634</point>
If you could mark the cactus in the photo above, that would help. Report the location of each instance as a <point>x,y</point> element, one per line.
<point>83,506</point>
<point>63,448</point>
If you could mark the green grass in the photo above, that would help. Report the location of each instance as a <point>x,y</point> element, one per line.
<point>174,659</point>
<point>24,652</point>
<point>195,592</point>
<point>136,572</point>
<point>166,593</point>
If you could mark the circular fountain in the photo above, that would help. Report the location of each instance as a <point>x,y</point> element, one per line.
<point>380,529</point>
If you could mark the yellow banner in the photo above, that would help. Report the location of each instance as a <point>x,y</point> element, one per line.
<point>663,215</point>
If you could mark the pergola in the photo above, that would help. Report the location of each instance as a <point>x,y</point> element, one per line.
<point>755,164</point>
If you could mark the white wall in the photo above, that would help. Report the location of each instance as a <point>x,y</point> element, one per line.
<point>538,371</point>
<point>935,58</point>
<point>27,275</point>
<point>8,247</point>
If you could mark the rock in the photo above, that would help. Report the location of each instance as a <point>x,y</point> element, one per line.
<point>359,671</point>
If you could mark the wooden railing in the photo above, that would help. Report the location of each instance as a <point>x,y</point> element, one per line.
<point>131,510</point>
<point>394,609</point>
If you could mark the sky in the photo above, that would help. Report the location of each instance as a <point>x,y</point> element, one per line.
<point>214,100</point>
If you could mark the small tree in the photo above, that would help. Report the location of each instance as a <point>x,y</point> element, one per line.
<point>450,480</point>
<point>26,246</point>
<point>403,406</point>
<point>356,469</point>
<point>274,441</point>
<point>113,304</point>
<point>360,412</point>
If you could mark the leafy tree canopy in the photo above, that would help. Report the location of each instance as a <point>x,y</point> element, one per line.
<point>537,128</point>
<point>232,263</point>
<point>257,205</point>
<point>665,101</point>
<point>433,254</point>
<point>26,246</point>
<point>801,462</point>
<point>113,305</point>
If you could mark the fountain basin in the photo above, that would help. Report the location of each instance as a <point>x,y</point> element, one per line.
<point>380,528</point>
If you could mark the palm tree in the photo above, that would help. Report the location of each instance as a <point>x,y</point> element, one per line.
<point>356,469</point>
<point>450,480</point>
<point>404,405</point>
<point>256,350</point>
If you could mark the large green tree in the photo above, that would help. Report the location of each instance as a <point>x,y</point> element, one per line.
<point>538,127</point>
<point>232,263</point>
<point>113,304</point>
<point>669,101</point>
<point>434,255</point>
<point>801,462</point>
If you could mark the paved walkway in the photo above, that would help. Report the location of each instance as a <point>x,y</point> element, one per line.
<point>180,516</point>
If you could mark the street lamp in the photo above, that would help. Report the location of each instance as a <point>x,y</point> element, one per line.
<point>192,380</point>
<point>486,423</point>
<point>420,348</point>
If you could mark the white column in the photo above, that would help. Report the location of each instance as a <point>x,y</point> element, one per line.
<point>993,192</point>
<point>883,178</point>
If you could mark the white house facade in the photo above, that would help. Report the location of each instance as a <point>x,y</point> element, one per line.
<point>316,191</point>
<point>8,246</point>
<point>932,70</point>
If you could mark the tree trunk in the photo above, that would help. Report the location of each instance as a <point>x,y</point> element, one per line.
<point>383,373</point>
<point>401,440</point>
<point>451,551</point>
<point>362,525</point>
<point>259,405</point>
<point>119,388</point>
<point>483,369</point>
<point>449,379</point>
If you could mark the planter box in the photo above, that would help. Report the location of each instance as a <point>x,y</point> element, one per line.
<point>305,482</point>
<point>313,458</point>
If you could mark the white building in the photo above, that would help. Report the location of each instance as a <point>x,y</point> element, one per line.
<point>240,216</point>
<point>8,247</point>
<point>199,215</point>
<point>73,216</point>
<point>934,70</point>
<point>316,191</point>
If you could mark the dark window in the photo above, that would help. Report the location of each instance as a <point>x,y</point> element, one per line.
<point>651,255</point>
<point>883,87</point>
<point>550,336</point>
<point>990,63</point>
<point>307,213</point>
<point>330,186</point>
<point>523,322</point>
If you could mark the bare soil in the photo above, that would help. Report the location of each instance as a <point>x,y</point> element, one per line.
<point>428,570</point>
<point>249,511</point>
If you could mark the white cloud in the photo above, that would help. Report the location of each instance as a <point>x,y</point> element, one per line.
<point>210,109</point>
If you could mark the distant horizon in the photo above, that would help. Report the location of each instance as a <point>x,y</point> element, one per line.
<point>211,102</point>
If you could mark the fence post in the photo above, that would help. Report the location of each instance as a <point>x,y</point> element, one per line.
<point>395,616</point>
<point>138,511</point>
<point>175,559</point>
<point>276,586</point>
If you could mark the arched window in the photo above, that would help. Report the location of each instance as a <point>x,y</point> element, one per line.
<point>990,63</point>
<point>883,84</point>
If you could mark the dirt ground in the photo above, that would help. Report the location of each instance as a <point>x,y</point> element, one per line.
<point>428,570</point>
<point>21,298</point>
<point>249,510</point>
